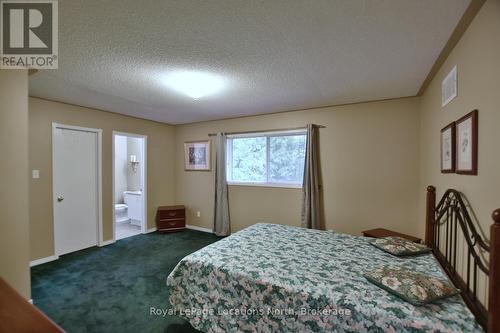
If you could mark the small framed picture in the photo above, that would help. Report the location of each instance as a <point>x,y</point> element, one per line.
<point>197,156</point>
<point>466,133</point>
<point>448,148</point>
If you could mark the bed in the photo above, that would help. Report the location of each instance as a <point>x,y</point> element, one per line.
<point>275,278</point>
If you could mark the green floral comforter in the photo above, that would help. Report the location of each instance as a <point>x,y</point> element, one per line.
<point>273,278</point>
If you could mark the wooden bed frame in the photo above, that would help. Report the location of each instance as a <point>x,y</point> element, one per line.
<point>449,216</point>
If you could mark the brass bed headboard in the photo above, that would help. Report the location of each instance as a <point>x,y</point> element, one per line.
<point>451,234</point>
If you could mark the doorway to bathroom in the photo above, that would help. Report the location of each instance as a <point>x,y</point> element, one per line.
<point>129,184</point>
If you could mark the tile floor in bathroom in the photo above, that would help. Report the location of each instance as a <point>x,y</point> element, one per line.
<point>126,229</point>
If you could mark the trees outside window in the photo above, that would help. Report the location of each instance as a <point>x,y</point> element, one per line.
<point>267,158</point>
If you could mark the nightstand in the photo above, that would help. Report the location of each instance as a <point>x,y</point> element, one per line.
<point>381,232</point>
<point>171,218</point>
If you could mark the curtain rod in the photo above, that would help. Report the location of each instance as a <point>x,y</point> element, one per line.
<point>269,130</point>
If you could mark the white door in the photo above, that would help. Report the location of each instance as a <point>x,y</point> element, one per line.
<point>75,190</point>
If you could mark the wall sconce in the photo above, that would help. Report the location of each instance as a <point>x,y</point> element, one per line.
<point>134,162</point>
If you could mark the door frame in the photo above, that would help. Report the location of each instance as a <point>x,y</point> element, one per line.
<point>144,176</point>
<point>99,197</point>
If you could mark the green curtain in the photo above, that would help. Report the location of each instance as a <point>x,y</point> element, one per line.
<point>222,221</point>
<point>311,215</point>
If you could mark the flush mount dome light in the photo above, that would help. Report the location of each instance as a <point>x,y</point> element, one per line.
<point>195,84</point>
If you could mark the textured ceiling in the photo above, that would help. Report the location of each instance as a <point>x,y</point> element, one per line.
<point>276,55</point>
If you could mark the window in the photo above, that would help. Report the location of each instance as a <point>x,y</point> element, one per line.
<point>272,159</point>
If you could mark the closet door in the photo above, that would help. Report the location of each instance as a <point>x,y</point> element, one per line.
<point>75,191</point>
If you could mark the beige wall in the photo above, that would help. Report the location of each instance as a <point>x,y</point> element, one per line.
<point>160,184</point>
<point>477,58</point>
<point>369,158</point>
<point>14,217</point>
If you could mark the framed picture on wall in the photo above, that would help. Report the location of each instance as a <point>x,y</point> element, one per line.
<point>448,149</point>
<point>466,132</point>
<point>197,156</point>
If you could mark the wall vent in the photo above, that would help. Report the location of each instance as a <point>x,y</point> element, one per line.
<point>449,87</point>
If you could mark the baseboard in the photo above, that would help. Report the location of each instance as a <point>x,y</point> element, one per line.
<point>193,227</point>
<point>108,242</point>
<point>151,230</point>
<point>43,260</point>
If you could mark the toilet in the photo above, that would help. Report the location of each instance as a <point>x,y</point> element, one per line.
<point>121,213</point>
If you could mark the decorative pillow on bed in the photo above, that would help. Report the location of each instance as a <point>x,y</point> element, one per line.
<point>399,246</point>
<point>415,288</point>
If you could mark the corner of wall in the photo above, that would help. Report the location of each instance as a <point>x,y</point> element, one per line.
<point>478,74</point>
<point>14,201</point>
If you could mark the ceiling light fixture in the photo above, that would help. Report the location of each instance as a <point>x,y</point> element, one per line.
<point>195,84</point>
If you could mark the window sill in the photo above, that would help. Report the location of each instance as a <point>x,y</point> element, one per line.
<point>272,185</point>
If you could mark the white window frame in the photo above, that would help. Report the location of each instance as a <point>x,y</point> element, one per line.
<point>268,136</point>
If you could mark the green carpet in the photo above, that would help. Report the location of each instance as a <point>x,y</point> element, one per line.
<point>111,289</point>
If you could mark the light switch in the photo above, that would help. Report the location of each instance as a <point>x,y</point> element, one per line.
<point>36,174</point>
<point>198,214</point>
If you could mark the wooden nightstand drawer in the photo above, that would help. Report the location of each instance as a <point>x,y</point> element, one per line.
<point>171,223</point>
<point>172,214</point>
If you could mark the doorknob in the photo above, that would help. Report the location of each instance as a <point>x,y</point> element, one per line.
<point>59,199</point>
